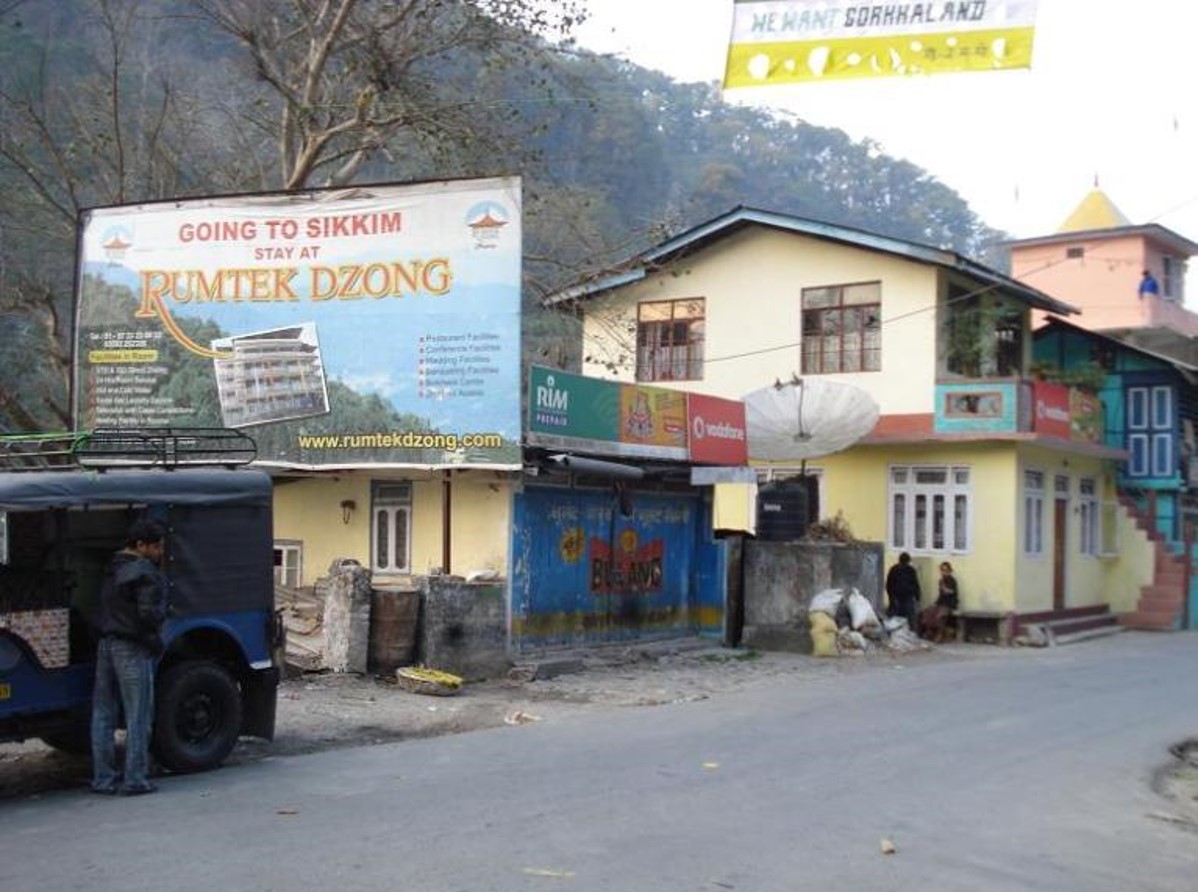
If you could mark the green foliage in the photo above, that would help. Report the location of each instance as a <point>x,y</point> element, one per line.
<point>123,101</point>
<point>1089,377</point>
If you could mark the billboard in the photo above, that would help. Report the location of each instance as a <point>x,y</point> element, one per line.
<point>373,326</point>
<point>568,411</point>
<point>799,41</point>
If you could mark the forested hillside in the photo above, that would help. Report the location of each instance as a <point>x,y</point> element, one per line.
<point>114,101</point>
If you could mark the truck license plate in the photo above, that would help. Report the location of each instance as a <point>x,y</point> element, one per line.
<point>5,691</point>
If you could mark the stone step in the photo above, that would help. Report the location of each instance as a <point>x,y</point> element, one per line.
<point>1069,630</point>
<point>1087,634</point>
<point>1157,600</point>
<point>1174,581</point>
<point>1155,620</point>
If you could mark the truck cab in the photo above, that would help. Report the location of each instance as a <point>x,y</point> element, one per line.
<point>59,526</point>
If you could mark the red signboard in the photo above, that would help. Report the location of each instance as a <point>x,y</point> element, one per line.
<point>1052,415</point>
<point>717,430</point>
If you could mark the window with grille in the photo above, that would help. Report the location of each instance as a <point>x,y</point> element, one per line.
<point>842,329</point>
<point>669,340</point>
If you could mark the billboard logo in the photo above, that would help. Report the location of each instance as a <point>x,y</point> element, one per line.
<point>549,397</point>
<point>116,242</point>
<point>486,221</point>
<point>718,430</point>
<point>553,404</point>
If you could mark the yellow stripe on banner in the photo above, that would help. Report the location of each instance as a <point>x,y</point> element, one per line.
<point>800,61</point>
<point>106,357</point>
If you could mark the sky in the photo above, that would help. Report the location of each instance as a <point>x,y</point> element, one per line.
<point>1110,95</point>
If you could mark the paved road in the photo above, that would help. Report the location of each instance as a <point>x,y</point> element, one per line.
<point>1029,770</point>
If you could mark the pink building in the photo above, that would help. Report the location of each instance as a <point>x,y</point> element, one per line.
<point>1097,260</point>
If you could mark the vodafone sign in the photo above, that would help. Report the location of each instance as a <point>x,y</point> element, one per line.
<point>717,430</point>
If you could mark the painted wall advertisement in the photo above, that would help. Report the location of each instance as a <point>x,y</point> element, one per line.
<point>365,327</point>
<point>568,411</point>
<point>796,41</point>
<point>1051,414</point>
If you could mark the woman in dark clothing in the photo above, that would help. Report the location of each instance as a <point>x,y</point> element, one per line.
<point>933,621</point>
<point>902,590</point>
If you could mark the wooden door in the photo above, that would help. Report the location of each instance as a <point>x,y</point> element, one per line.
<point>1060,515</point>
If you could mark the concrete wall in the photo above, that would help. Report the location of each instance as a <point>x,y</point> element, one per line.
<point>463,627</point>
<point>308,511</point>
<point>782,577</point>
<point>1086,576</point>
<point>1134,567</point>
<point>856,484</point>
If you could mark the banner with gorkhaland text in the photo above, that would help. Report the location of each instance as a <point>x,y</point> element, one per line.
<point>799,41</point>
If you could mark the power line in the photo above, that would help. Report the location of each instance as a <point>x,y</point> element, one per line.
<point>961,297</point>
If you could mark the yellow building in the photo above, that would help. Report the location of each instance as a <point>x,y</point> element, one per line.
<point>970,462</point>
<point>398,526</point>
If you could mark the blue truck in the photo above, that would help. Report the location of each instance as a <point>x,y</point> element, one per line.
<point>219,675</point>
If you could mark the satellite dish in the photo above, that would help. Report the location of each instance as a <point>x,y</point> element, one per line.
<point>806,418</point>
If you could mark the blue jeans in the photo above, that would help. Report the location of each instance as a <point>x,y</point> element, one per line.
<point>124,676</point>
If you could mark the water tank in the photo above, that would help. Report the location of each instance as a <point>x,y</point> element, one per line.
<point>785,508</point>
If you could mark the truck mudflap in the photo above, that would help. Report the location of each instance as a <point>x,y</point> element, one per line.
<point>260,701</point>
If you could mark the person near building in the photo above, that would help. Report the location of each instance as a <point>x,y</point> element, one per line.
<point>933,621</point>
<point>902,591</point>
<point>133,607</point>
<point>1149,285</point>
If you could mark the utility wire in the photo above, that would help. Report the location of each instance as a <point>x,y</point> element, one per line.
<point>932,308</point>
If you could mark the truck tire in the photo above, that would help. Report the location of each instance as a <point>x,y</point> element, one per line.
<point>198,716</point>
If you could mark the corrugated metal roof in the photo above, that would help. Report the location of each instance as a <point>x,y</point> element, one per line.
<point>1061,324</point>
<point>700,236</point>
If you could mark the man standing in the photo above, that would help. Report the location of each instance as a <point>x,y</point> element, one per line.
<point>132,610</point>
<point>1149,286</point>
<point>902,590</point>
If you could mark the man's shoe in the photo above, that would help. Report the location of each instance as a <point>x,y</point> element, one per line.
<point>138,791</point>
<point>104,791</point>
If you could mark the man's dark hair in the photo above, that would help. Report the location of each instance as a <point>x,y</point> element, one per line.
<point>904,558</point>
<point>146,531</point>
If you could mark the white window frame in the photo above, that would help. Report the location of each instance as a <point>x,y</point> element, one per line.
<point>1033,512</point>
<point>929,516</point>
<point>1170,278</point>
<point>391,510</point>
<point>291,562</point>
<point>1090,517</point>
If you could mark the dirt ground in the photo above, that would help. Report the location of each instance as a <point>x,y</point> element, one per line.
<point>324,711</point>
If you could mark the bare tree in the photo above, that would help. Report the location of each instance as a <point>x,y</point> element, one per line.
<point>102,126</point>
<point>352,76</point>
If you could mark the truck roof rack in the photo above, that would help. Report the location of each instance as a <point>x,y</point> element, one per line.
<point>143,447</point>
<point>37,451</point>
